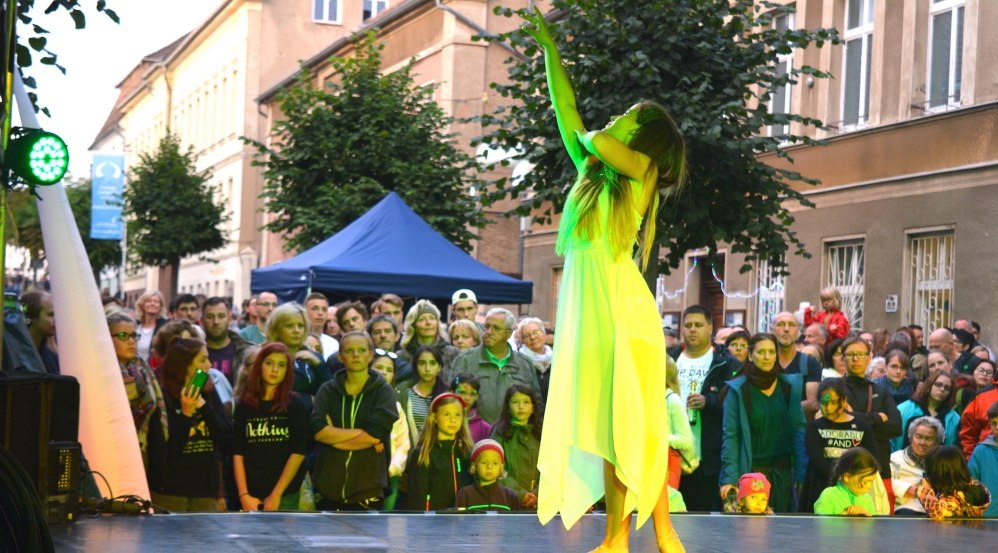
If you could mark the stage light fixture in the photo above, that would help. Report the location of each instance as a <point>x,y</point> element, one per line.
<point>36,156</point>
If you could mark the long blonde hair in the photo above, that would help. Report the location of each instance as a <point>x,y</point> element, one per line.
<point>658,138</point>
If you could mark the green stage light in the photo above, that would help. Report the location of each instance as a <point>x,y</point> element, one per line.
<point>37,156</point>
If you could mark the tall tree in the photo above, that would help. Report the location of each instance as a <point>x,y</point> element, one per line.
<point>713,65</point>
<point>345,144</point>
<point>171,209</point>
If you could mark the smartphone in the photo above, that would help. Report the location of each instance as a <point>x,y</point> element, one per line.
<point>197,383</point>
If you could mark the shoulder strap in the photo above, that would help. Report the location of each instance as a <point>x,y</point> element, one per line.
<point>869,397</point>
<point>802,365</point>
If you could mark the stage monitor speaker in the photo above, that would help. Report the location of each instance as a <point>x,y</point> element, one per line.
<point>39,424</point>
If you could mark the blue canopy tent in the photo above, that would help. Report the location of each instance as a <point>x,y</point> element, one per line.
<point>388,249</point>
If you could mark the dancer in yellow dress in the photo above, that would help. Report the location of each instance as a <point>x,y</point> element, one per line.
<point>606,427</point>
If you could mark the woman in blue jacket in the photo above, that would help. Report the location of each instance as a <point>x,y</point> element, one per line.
<point>763,426</point>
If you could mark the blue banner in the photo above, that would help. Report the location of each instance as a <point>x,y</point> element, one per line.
<point>108,180</point>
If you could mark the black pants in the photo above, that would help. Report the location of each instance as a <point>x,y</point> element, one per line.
<point>373,504</point>
<point>700,490</point>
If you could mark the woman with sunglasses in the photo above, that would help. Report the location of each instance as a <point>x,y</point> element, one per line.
<point>144,394</point>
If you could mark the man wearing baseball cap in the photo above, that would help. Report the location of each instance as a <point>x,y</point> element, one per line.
<point>464,305</point>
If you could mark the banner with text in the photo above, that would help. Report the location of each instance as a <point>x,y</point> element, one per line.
<point>105,200</point>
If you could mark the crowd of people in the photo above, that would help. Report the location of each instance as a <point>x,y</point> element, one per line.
<point>356,407</point>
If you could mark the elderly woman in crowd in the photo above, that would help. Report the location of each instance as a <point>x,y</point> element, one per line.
<point>464,334</point>
<point>422,327</point>
<point>923,434</point>
<point>764,425</point>
<point>532,338</point>
<point>935,399</point>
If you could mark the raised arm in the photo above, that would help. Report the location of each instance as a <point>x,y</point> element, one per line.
<point>559,87</point>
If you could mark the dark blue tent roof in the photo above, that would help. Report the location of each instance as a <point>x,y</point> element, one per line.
<point>389,249</point>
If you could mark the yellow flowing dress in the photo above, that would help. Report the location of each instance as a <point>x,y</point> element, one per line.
<point>607,392</point>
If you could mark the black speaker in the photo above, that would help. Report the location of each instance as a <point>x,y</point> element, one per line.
<point>39,424</point>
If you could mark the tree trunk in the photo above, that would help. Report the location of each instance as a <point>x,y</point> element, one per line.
<point>174,277</point>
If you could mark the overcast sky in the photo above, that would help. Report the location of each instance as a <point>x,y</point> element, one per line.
<point>98,57</point>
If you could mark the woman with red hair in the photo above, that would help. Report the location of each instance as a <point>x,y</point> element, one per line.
<point>271,434</point>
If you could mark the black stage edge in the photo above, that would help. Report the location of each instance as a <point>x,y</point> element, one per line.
<point>487,532</point>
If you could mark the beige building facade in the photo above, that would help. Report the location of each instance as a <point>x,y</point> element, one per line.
<point>219,83</point>
<point>909,177</point>
<point>202,87</point>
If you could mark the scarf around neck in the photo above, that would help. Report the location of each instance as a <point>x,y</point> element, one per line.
<point>760,378</point>
<point>541,360</point>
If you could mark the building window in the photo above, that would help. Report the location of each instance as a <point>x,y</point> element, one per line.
<point>929,301</point>
<point>374,7</point>
<point>945,53</point>
<point>779,103</point>
<point>856,65</point>
<point>844,260</point>
<point>326,11</point>
<point>770,298</point>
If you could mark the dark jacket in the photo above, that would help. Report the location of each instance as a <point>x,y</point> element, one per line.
<point>723,368</point>
<point>187,465</point>
<point>495,381</point>
<point>494,497</point>
<point>354,476</point>
<point>737,444</point>
<point>858,390</point>
<point>435,487</point>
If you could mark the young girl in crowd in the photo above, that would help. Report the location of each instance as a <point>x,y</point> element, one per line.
<point>855,473</point>
<point>440,464</point>
<point>416,394</point>
<point>488,464</point>
<point>468,386</point>
<point>948,490</point>
<point>753,495</point>
<point>829,436</point>
<point>352,420</point>
<point>464,334</point>
<point>384,364</point>
<point>271,435</point>
<point>935,398</point>
<point>832,317</point>
<point>681,448</point>
<point>199,432</point>
<point>519,431</point>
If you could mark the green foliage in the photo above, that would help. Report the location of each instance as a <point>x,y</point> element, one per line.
<point>26,230</point>
<point>171,208</point>
<point>708,62</point>
<point>340,149</point>
<point>36,44</point>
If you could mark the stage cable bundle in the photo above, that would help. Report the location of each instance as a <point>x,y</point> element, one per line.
<point>22,521</point>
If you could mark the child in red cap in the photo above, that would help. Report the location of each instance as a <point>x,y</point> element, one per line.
<point>753,494</point>
<point>488,465</point>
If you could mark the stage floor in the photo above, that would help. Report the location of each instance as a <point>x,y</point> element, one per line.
<point>287,532</point>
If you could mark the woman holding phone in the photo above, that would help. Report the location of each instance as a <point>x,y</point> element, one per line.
<point>186,475</point>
